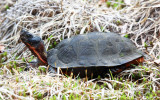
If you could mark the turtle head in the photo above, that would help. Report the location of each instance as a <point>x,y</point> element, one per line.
<point>35,45</point>
<point>28,38</point>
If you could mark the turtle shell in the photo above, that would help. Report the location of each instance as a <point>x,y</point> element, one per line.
<point>93,49</point>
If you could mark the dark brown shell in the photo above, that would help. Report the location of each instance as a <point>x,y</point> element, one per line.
<point>93,49</point>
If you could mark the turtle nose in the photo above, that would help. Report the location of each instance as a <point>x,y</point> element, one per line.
<point>26,34</point>
<point>23,32</point>
<point>23,35</point>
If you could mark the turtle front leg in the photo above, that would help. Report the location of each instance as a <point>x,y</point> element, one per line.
<point>52,70</point>
<point>32,64</point>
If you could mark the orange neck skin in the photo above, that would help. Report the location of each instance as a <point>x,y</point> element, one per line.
<point>39,53</point>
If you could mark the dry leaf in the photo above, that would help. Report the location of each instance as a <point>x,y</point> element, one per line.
<point>1,48</point>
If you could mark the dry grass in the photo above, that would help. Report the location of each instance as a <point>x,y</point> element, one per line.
<point>56,20</point>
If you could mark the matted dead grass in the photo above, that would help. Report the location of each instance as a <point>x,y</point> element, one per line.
<point>55,20</point>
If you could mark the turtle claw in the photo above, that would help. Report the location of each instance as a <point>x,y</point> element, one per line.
<point>26,69</point>
<point>28,66</point>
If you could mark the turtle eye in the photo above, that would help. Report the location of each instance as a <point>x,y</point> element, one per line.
<point>29,35</point>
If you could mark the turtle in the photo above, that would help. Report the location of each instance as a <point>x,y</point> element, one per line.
<point>91,54</point>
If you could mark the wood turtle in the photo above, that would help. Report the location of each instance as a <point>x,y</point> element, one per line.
<point>89,54</point>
